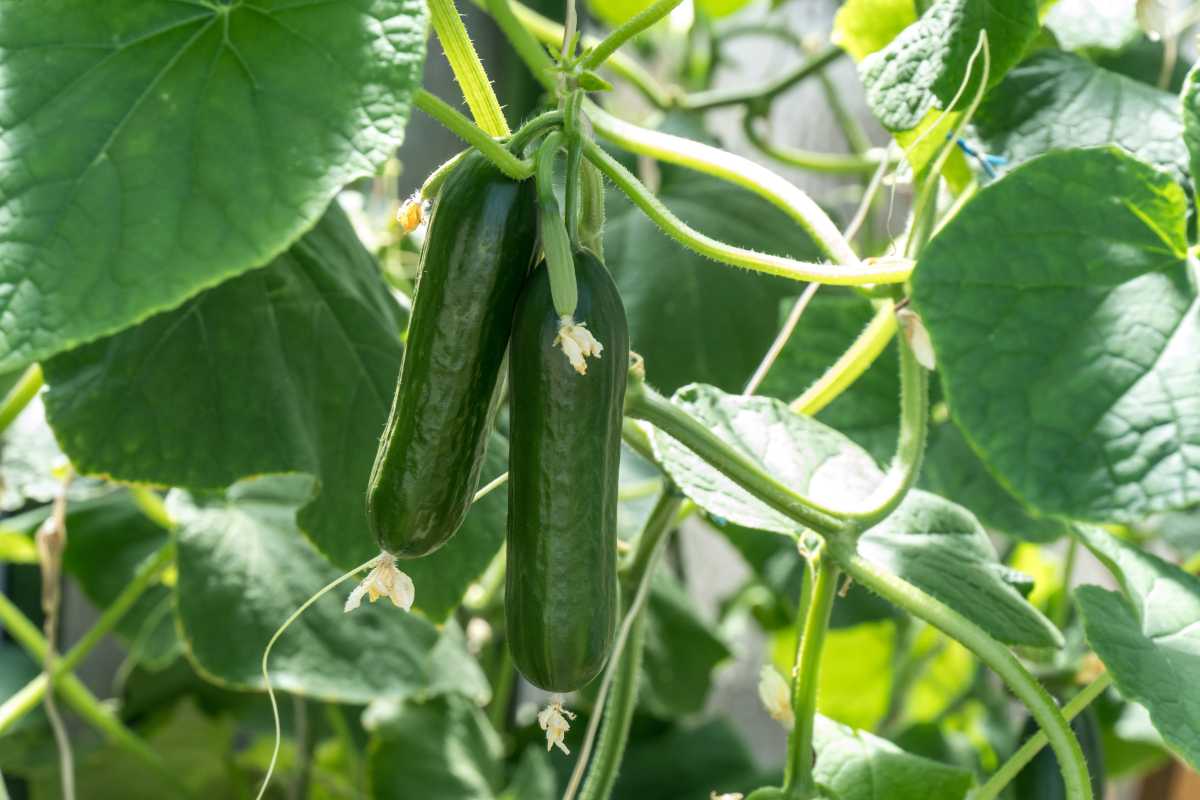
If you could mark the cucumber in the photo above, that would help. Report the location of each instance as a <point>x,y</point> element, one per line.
<point>1041,778</point>
<point>564,455</point>
<point>480,245</point>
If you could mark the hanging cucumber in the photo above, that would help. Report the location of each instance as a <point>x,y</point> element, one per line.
<point>477,254</point>
<point>564,454</point>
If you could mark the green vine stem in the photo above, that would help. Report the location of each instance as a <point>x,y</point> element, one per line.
<point>716,98</point>
<point>1033,745</point>
<point>472,134</point>
<point>597,55</point>
<point>821,576</point>
<point>745,173</point>
<point>20,395</point>
<point>852,363</point>
<point>618,717</point>
<point>642,402</point>
<point>467,69</point>
<point>556,243</point>
<point>998,657</point>
<point>637,573</point>
<point>891,271</point>
<point>72,690</point>
<point>910,447</point>
<point>830,163</point>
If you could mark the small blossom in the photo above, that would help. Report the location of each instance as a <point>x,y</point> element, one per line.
<point>553,720</point>
<point>412,213</point>
<point>917,336</point>
<point>776,696</point>
<point>479,633</point>
<point>727,796</point>
<point>577,343</point>
<point>384,580</point>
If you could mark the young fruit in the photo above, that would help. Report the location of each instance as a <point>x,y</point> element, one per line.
<point>564,454</point>
<point>477,254</point>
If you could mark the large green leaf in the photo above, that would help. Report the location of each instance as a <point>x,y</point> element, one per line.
<point>444,748</point>
<point>1055,101</point>
<point>693,320</point>
<point>1099,24</point>
<point>926,66</point>
<point>149,150</point>
<point>855,765</point>
<point>1150,638</point>
<point>287,368</point>
<point>928,541</point>
<point>244,568</point>
<point>686,762</point>
<point>1066,326</point>
<point>953,470</point>
<point>869,410</point>
<point>1191,121</point>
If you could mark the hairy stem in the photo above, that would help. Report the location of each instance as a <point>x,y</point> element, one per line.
<point>830,163</point>
<point>631,28</point>
<point>1034,744</point>
<point>716,98</point>
<point>467,69</point>
<point>852,364</point>
<point>737,170</point>
<point>642,402</point>
<point>821,575</point>
<point>472,134</point>
<point>860,274</point>
<point>618,716</point>
<point>991,652</point>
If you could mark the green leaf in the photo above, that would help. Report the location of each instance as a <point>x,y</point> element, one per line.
<point>926,65</point>
<point>854,765</point>
<point>32,465</point>
<point>862,27</point>
<point>1191,121</point>
<point>1056,101</point>
<point>868,411</point>
<point>928,541</point>
<point>681,652</point>
<point>1150,638</point>
<point>287,368</point>
<point>1065,325</point>
<point>687,762</point>
<point>151,150</point>
<point>687,318</point>
<point>534,778</point>
<point>444,748</point>
<point>953,470</point>
<point>244,568</point>
<point>1098,24</point>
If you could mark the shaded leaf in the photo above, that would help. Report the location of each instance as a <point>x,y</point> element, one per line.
<point>151,150</point>
<point>690,319</point>
<point>685,761</point>
<point>244,568</point>
<point>926,65</point>
<point>1150,638</point>
<point>287,368</point>
<point>1069,274</point>
<point>1056,101</point>
<point>928,541</point>
<point>444,748</point>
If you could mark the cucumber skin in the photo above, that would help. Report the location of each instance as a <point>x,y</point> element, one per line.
<point>561,596</point>
<point>480,245</point>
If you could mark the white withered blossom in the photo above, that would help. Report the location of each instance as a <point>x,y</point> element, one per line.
<point>577,343</point>
<point>917,336</point>
<point>553,720</point>
<point>726,796</point>
<point>776,695</point>
<point>384,580</point>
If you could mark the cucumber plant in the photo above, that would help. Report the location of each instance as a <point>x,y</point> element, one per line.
<point>943,422</point>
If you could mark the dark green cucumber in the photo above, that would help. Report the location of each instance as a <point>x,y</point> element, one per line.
<point>477,254</point>
<point>564,454</point>
<point>1041,778</point>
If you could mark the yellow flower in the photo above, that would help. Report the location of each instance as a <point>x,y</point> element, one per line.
<point>553,720</point>
<point>577,343</point>
<point>384,580</point>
